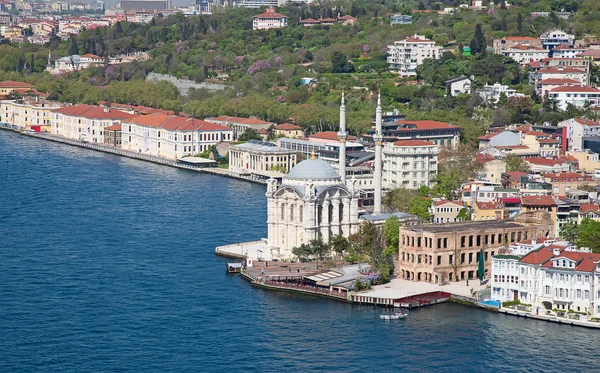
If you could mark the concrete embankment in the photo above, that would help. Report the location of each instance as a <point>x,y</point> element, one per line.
<point>554,319</point>
<point>139,156</point>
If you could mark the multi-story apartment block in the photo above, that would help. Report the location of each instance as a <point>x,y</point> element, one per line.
<point>575,73</point>
<point>85,122</point>
<point>578,96</point>
<point>409,164</point>
<point>171,136</point>
<point>525,54</point>
<point>508,42</point>
<point>268,20</point>
<point>577,129</point>
<point>445,135</point>
<point>404,56</point>
<point>567,51</point>
<point>553,39</point>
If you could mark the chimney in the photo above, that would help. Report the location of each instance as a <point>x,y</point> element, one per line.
<point>533,242</point>
<point>106,109</point>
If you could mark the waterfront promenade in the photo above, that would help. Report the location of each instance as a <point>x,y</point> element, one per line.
<point>139,156</point>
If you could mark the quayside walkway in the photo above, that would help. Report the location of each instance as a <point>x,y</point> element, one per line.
<point>139,156</point>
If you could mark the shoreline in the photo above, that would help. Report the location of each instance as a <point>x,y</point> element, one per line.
<point>132,155</point>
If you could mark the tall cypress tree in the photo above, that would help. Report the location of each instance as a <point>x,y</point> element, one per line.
<point>73,47</point>
<point>520,23</point>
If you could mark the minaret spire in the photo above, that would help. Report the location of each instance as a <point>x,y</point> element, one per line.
<point>378,137</point>
<point>342,135</point>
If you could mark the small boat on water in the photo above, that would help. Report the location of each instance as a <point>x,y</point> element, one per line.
<point>393,316</point>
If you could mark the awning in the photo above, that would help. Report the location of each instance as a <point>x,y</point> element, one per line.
<point>511,200</point>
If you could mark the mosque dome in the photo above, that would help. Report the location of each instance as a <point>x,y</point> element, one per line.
<point>312,169</point>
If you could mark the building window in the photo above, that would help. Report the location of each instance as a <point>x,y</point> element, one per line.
<point>547,289</point>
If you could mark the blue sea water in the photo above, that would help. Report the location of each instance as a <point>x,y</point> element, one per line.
<point>107,265</point>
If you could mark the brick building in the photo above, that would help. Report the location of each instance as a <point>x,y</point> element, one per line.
<point>441,253</point>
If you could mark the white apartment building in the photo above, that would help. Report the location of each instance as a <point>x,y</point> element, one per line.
<point>578,96</point>
<point>85,122</point>
<point>553,39</point>
<point>567,51</point>
<point>524,54</point>
<point>27,113</point>
<point>409,164</point>
<point>268,20</point>
<point>553,276</point>
<point>171,136</point>
<point>577,129</point>
<point>491,93</point>
<point>578,74</point>
<point>405,55</point>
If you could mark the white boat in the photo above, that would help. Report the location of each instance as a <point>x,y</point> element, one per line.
<point>393,316</point>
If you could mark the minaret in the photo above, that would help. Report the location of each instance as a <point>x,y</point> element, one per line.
<point>342,135</point>
<point>378,139</point>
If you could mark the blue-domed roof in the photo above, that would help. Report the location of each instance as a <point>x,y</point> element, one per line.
<point>312,169</point>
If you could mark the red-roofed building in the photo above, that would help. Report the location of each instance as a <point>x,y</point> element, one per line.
<point>85,122</point>
<point>553,276</point>
<point>579,74</point>
<point>240,125</point>
<point>547,85</point>
<point>268,20</point>
<point>288,130</point>
<point>488,211</point>
<point>8,86</point>
<point>589,211</point>
<point>539,165</point>
<point>525,54</point>
<point>171,136</point>
<point>567,51</point>
<point>409,164</point>
<point>566,181</point>
<point>328,136</point>
<point>509,41</point>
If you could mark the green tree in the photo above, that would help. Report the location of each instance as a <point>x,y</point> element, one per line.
<point>570,232</point>
<point>339,244</point>
<point>73,46</point>
<point>250,134</point>
<point>520,23</point>
<point>589,235</point>
<point>340,63</point>
<point>391,233</point>
<point>515,164</point>
<point>478,44</point>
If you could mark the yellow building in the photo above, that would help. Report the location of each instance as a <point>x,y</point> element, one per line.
<point>488,211</point>
<point>590,211</point>
<point>288,130</point>
<point>9,86</point>
<point>588,161</point>
<point>28,114</point>
<point>540,203</point>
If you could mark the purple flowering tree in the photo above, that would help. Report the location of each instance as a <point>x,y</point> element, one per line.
<point>366,48</point>
<point>239,59</point>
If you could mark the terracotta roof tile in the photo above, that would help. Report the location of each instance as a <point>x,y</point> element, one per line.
<point>92,112</point>
<point>538,201</point>
<point>14,84</point>
<point>413,143</point>
<point>287,127</point>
